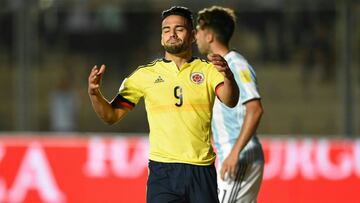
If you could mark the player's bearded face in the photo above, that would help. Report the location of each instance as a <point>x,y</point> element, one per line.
<point>176,36</point>
<point>176,46</point>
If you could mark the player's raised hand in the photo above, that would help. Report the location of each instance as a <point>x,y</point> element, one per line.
<point>220,64</point>
<point>94,80</point>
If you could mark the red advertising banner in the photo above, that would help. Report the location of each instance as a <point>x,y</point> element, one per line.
<point>311,171</point>
<point>103,168</point>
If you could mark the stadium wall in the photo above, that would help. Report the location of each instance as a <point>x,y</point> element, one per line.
<point>98,168</point>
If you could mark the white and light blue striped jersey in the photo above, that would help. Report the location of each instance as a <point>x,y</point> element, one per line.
<point>227,122</point>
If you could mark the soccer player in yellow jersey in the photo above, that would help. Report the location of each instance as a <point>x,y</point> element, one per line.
<point>179,92</point>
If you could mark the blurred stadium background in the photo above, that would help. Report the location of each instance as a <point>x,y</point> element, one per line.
<point>306,54</point>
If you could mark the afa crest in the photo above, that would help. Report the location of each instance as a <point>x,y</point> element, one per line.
<point>197,77</point>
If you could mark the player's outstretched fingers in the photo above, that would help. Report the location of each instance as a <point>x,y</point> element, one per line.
<point>102,70</point>
<point>92,74</point>
<point>218,61</point>
<point>95,79</point>
<point>93,71</point>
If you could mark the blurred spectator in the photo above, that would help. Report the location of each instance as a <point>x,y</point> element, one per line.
<point>64,105</point>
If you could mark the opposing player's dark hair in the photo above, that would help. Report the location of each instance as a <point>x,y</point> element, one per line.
<point>180,11</point>
<point>220,19</point>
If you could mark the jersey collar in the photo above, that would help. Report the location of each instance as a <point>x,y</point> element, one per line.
<point>168,61</point>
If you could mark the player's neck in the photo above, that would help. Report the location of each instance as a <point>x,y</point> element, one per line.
<point>219,48</point>
<point>179,59</point>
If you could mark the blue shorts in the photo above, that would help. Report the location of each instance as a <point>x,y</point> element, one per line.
<point>181,183</point>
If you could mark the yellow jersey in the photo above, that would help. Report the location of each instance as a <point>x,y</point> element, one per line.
<point>179,108</point>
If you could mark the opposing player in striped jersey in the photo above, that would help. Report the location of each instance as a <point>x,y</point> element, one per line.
<point>241,159</point>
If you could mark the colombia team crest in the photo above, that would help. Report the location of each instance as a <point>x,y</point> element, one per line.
<point>197,77</point>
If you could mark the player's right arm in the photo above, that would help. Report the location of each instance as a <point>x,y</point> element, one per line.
<point>228,93</point>
<point>102,107</point>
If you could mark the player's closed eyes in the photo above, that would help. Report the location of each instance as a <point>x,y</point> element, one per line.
<point>177,30</point>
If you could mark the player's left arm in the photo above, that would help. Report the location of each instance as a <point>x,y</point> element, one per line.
<point>254,111</point>
<point>229,92</point>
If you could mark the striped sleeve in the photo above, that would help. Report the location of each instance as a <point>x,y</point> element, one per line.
<point>245,77</point>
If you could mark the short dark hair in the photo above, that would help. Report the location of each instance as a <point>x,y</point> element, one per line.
<point>219,19</point>
<point>180,11</point>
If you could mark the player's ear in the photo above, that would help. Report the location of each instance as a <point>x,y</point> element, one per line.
<point>210,36</point>
<point>193,35</point>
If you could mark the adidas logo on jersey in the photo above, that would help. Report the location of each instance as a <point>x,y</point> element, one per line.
<point>159,79</point>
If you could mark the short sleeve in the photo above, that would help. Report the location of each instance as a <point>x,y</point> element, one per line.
<point>130,89</point>
<point>245,77</point>
<point>215,77</point>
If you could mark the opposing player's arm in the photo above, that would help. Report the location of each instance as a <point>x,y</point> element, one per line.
<point>101,106</point>
<point>254,111</point>
<point>228,93</point>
